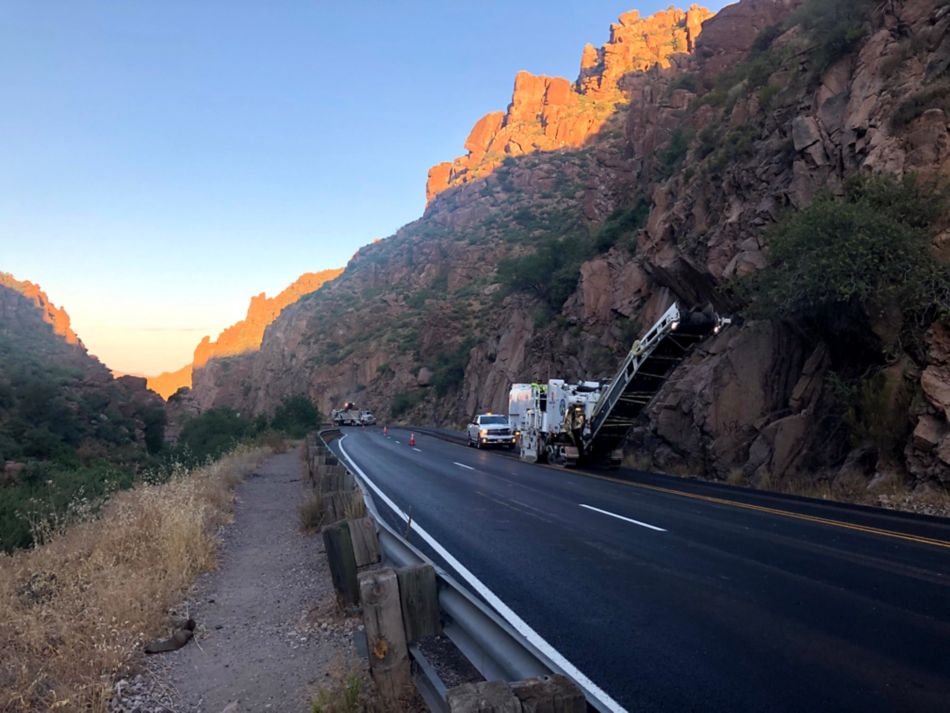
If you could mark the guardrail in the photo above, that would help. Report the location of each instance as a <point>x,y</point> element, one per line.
<point>490,643</point>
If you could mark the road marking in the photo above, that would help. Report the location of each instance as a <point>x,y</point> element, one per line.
<point>397,442</point>
<point>416,449</point>
<point>462,465</point>
<point>920,539</point>
<point>777,511</point>
<point>536,640</point>
<point>621,517</point>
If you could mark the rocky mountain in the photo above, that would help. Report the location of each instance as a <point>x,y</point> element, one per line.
<point>781,160</point>
<point>56,400</point>
<point>244,336</point>
<point>15,312</point>
<point>549,113</point>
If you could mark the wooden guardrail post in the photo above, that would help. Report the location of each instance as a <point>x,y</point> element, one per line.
<point>483,697</point>
<point>339,548</point>
<point>365,541</point>
<point>550,694</point>
<point>334,505</point>
<point>388,652</point>
<point>418,595</point>
<point>544,694</point>
<point>333,477</point>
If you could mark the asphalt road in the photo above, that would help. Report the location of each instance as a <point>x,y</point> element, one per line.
<point>674,595</point>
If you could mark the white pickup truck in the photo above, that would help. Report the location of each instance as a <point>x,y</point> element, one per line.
<point>489,429</point>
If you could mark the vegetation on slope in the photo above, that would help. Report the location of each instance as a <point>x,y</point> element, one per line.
<point>49,494</point>
<point>73,612</point>
<point>835,268</point>
<point>842,257</point>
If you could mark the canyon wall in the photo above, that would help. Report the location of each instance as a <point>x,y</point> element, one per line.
<point>242,337</point>
<point>545,257</point>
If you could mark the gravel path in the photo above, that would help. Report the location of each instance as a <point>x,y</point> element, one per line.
<point>269,631</point>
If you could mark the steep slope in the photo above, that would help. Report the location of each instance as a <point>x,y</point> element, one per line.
<point>547,263</point>
<point>244,336</point>
<point>57,400</point>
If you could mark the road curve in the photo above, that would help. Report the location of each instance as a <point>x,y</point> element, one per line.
<point>677,595</point>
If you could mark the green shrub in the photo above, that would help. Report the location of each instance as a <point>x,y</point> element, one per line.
<point>834,27</point>
<point>550,273</point>
<point>845,255</point>
<point>296,416</point>
<point>55,492</point>
<point>403,402</point>
<point>672,155</point>
<point>708,140</point>
<point>215,431</point>
<point>622,223</point>
<point>936,96</point>
<point>688,81</point>
<point>763,41</point>
<point>449,369</point>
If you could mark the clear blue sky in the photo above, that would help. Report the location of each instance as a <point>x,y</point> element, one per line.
<point>163,160</point>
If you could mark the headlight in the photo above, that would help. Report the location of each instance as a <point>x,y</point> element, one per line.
<point>483,432</point>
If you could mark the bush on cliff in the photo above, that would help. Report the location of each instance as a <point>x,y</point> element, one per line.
<point>871,245</point>
<point>835,27</point>
<point>550,273</point>
<point>841,258</point>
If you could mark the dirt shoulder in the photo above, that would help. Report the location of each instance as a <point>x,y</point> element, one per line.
<point>269,632</point>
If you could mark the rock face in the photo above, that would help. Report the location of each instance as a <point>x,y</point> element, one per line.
<point>548,113</point>
<point>241,337</point>
<point>52,315</point>
<point>711,153</point>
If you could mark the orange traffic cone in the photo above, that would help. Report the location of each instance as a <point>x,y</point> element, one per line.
<point>412,439</point>
<point>386,431</point>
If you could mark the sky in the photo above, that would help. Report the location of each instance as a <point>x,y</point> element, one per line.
<point>163,160</point>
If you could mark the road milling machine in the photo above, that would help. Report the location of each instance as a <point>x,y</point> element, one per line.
<point>587,422</point>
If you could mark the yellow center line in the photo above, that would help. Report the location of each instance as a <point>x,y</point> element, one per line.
<point>776,511</point>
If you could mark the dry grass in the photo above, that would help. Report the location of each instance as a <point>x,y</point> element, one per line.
<point>736,477</point>
<point>638,460</point>
<point>356,507</point>
<point>75,612</point>
<point>311,512</point>
<point>352,693</point>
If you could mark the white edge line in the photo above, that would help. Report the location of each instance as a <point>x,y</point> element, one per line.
<point>625,519</point>
<point>417,450</point>
<point>462,465</point>
<point>503,609</point>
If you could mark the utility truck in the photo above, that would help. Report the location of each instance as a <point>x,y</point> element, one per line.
<point>349,415</point>
<point>587,422</point>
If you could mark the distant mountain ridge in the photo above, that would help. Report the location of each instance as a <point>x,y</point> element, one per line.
<point>51,314</point>
<point>244,336</point>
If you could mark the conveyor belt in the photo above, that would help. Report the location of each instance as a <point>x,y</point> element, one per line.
<point>649,364</point>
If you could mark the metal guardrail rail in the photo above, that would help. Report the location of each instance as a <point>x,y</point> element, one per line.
<point>494,647</point>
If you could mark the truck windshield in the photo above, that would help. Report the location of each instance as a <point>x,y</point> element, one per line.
<point>493,419</point>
